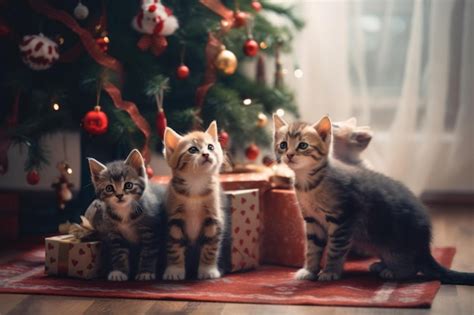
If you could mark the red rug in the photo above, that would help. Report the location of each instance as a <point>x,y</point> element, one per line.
<point>267,285</point>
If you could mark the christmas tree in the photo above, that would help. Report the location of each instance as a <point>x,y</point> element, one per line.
<point>120,71</point>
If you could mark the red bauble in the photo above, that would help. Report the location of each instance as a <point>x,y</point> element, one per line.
<point>223,138</point>
<point>161,123</point>
<point>32,177</point>
<point>268,160</point>
<point>240,18</point>
<point>103,43</point>
<point>257,6</point>
<point>182,72</point>
<point>252,152</point>
<point>95,122</point>
<point>251,47</point>
<point>149,171</point>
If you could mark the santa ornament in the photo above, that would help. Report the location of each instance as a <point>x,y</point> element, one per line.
<point>63,186</point>
<point>38,51</point>
<point>156,20</point>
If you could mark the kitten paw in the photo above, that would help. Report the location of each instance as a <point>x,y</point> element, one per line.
<point>145,276</point>
<point>305,274</point>
<point>377,267</point>
<point>117,275</point>
<point>387,274</point>
<point>174,273</point>
<point>208,272</point>
<point>329,276</point>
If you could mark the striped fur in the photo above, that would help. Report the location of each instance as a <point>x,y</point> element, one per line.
<point>126,214</point>
<point>194,206</point>
<point>344,205</point>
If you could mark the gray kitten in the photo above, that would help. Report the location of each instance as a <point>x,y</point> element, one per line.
<point>344,205</point>
<point>126,214</point>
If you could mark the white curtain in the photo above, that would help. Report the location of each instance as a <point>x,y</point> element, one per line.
<point>405,67</point>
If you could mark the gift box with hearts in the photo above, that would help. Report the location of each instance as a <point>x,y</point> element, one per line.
<point>243,247</point>
<point>68,256</point>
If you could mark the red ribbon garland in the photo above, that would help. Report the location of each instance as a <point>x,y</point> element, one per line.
<point>41,6</point>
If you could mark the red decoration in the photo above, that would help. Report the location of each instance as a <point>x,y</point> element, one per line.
<point>268,160</point>
<point>240,19</point>
<point>96,122</point>
<point>149,171</point>
<point>251,47</point>
<point>161,123</point>
<point>38,51</point>
<point>103,43</point>
<point>182,72</point>
<point>252,152</point>
<point>257,6</point>
<point>5,30</point>
<point>33,177</point>
<point>223,138</point>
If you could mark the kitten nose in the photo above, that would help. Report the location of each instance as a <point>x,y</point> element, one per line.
<point>205,155</point>
<point>119,196</point>
<point>290,156</point>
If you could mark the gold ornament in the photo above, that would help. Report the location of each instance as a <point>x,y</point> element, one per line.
<point>226,62</point>
<point>262,120</point>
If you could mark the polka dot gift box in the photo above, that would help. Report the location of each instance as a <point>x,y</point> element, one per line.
<point>68,256</point>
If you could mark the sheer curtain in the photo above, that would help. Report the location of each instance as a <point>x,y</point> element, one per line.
<point>405,67</point>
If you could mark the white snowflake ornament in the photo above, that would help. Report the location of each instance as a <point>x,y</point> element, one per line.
<point>38,51</point>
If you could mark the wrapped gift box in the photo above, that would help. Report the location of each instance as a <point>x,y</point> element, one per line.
<point>244,246</point>
<point>68,256</point>
<point>284,232</point>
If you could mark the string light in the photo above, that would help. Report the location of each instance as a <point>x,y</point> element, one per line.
<point>284,71</point>
<point>247,101</point>
<point>298,73</point>
<point>280,112</point>
<point>56,106</point>
<point>69,170</point>
<point>263,45</point>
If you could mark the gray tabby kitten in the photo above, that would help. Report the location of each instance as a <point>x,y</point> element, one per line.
<point>344,205</point>
<point>126,214</point>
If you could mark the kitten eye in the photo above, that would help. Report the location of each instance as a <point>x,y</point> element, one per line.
<point>283,145</point>
<point>109,188</point>
<point>302,146</point>
<point>128,185</point>
<point>193,150</point>
<point>210,147</point>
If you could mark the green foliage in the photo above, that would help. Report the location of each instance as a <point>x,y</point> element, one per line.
<point>74,85</point>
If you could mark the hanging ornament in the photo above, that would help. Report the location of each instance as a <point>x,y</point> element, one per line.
<point>155,21</point>
<point>81,12</point>
<point>62,185</point>
<point>262,120</point>
<point>240,18</point>
<point>226,61</point>
<point>103,42</point>
<point>257,6</point>
<point>251,47</point>
<point>149,171</point>
<point>33,177</point>
<point>182,72</point>
<point>223,138</point>
<point>38,51</point>
<point>268,160</point>
<point>95,121</point>
<point>252,152</point>
<point>161,121</point>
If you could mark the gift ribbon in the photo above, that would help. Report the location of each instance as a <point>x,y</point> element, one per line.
<point>42,7</point>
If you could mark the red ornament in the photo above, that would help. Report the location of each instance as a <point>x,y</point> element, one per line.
<point>251,47</point>
<point>223,138</point>
<point>240,19</point>
<point>268,161</point>
<point>32,177</point>
<point>252,152</point>
<point>182,72</point>
<point>103,43</point>
<point>95,122</point>
<point>149,171</point>
<point>161,123</point>
<point>257,6</point>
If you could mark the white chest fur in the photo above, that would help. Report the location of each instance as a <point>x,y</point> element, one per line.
<point>125,226</point>
<point>194,214</point>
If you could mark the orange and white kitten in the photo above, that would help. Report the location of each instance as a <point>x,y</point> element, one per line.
<point>193,201</point>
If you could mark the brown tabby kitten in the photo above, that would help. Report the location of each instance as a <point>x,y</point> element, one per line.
<point>344,205</point>
<point>193,201</point>
<point>126,214</point>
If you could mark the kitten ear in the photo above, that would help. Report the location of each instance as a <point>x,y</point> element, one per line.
<point>171,140</point>
<point>95,168</point>
<point>351,122</point>
<point>212,130</point>
<point>135,160</point>
<point>278,122</point>
<point>323,128</point>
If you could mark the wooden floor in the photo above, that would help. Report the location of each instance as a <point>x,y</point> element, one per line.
<point>453,226</point>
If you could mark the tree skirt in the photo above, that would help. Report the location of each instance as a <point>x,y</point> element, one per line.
<point>266,285</point>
